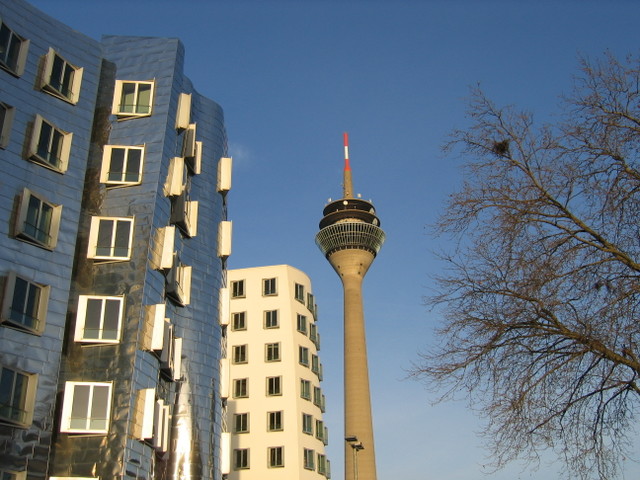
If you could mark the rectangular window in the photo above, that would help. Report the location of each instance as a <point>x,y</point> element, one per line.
<point>307,424</point>
<point>309,458</point>
<point>305,389</point>
<point>302,324</point>
<point>241,458</point>
<point>315,364</point>
<point>274,421</point>
<point>239,321</point>
<point>317,396</point>
<point>240,354</point>
<point>38,220</point>
<point>99,319</point>
<point>86,407</point>
<point>132,99</point>
<point>299,292</point>
<point>274,386</point>
<point>276,457</point>
<point>310,301</point>
<point>178,282</point>
<point>49,145</point>
<point>303,356</point>
<point>269,286</point>
<point>241,388</point>
<point>322,464</point>
<point>319,429</point>
<point>7,112</point>
<point>13,50</point>
<point>24,303</point>
<point>272,352</point>
<point>122,165</point>
<point>17,396</point>
<point>184,213</point>
<point>271,319</point>
<point>192,150</point>
<point>241,423</point>
<point>60,78</point>
<point>237,289</point>
<point>110,238</point>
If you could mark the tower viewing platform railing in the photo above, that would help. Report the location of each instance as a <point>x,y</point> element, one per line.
<point>343,235</point>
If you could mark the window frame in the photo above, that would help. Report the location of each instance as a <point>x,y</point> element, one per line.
<point>81,318</point>
<point>116,106</point>
<point>238,321</point>
<point>271,319</point>
<point>24,212</point>
<point>240,388</point>
<point>184,213</point>
<point>275,457</point>
<point>274,386</point>
<point>39,307</point>
<point>178,282</point>
<point>275,421</point>
<point>309,459</point>
<point>299,292</point>
<point>302,320</point>
<point>94,234</point>
<point>241,423</point>
<point>303,356</point>
<point>307,424</point>
<point>68,86</point>
<point>57,139</point>
<point>68,407</point>
<point>305,389</point>
<point>16,67</point>
<point>269,287</point>
<point>6,123</point>
<point>272,352</point>
<point>23,405</point>
<point>238,289</point>
<point>107,159</point>
<point>241,459</point>
<point>240,354</point>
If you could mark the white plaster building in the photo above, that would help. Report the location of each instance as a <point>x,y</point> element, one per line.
<point>275,403</point>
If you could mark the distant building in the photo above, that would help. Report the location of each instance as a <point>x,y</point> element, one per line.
<point>275,402</point>
<point>113,253</point>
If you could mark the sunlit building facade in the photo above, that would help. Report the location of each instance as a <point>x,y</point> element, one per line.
<point>275,401</point>
<point>114,246</point>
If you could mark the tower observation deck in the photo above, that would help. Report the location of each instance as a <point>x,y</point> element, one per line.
<point>350,237</point>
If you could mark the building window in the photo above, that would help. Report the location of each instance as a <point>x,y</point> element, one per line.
<point>315,364</point>
<point>24,303</point>
<point>132,99</point>
<point>302,324</point>
<point>309,458</point>
<point>310,301</point>
<point>271,319</point>
<point>299,292</point>
<point>307,424</point>
<point>38,220</point>
<point>86,407</point>
<point>178,282</point>
<point>274,421</point>
<point>319,429</point>
<point>240,354</point>
<point>272,352</point>
<point>13,50</point>
<point>241,423</point>
<point>12,475</point>
<point>241,458</point>
<point>241,388</point>
<point>110,238</point>
<point>276,457</point>
<point>239,321</point>
<point>269,287</point>
<point>305,389</point>
<point>17,396</point>
<point>274,386</point>
<point>99,319</point>
<point>184,213</point>
<point>122,165</point>
<point>60,78</point>
<point>49,146</point>
<point>192,150</point>
<point>322,464</point>
<point>303,356</point>
<point>7,113</point>
<point>237,289</point>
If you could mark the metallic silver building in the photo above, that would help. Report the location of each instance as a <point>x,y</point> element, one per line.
<point>113,255</point>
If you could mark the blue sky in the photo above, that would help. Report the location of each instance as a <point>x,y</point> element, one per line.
<point>291,77</point>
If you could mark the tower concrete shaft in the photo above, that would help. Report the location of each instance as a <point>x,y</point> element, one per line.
<point>350,238</point>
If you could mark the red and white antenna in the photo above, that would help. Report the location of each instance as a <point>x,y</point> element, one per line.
<point>347,185</point>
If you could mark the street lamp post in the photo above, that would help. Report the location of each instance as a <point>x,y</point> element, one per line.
<point>356,446</point>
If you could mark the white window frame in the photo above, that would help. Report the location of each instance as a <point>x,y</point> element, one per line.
<point>183,113</point>
<point>239,321</point>
<point>177,177</point>
<point>161,426</point>
<point>7,113</point>
<point>225,166</point>
<point>240,388</point>
<point>67,87</point>
<point>122,114</point>
<point>20,45</point>
<point>81,318</point>
<point>192,150</point>
<point>275,457</point>
<point>18,415</point>
<point>126,177</point>
<point>69,401</point>
<point>269,287</point>
<point>57,137</point>
<point>32,233</point>
<point>274,386</point>
<point>184,213</point>
<point>115,239</point>
<point>178,282</point>
<point>32,313</point>
<point>241,422</point>
<point>271,319</point>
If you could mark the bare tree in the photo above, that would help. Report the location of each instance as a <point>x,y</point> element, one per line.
<point>541,298</point>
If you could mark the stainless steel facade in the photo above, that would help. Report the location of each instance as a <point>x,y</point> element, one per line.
<point>65,364</point>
